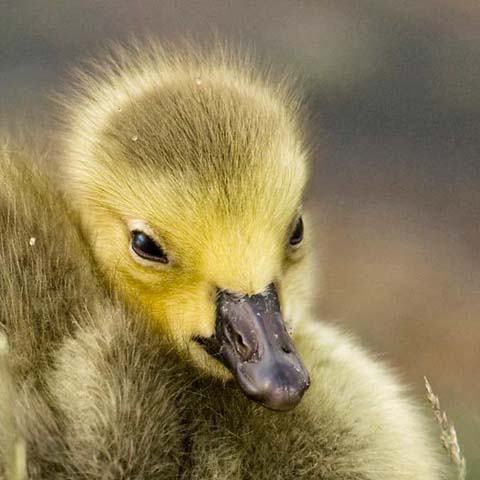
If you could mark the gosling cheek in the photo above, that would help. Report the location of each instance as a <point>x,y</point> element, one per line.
<point>192,318</point>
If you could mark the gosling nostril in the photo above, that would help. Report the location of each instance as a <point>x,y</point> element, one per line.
<point>243,347</point>
<point>236,325</point>
<point>286,349</point>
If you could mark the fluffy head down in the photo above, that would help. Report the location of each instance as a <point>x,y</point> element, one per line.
<point>206,157</point>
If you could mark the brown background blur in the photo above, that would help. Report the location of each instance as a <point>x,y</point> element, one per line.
<point>394,91</point>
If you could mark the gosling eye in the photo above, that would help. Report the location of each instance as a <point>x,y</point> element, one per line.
<point>146,248</point>
<point>297,235</point>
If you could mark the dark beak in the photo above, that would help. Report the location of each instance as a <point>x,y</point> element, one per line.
<point>254,345</point>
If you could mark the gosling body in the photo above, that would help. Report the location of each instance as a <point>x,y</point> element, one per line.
<point>104,378</point>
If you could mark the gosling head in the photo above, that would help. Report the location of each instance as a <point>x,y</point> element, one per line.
<point>188,172</point>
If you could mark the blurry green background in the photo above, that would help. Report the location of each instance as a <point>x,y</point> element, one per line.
<point>394,93</point>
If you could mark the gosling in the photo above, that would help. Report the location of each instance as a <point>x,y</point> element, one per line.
<point>159,311</point>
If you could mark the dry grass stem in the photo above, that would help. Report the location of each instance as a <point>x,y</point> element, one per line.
<point>448,433</point>
<point>15,462</point>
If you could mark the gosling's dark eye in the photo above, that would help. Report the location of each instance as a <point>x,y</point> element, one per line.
<point>297,235</point>
<point>145,247</point>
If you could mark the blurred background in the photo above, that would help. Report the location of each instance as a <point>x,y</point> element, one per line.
<point>394,94</point>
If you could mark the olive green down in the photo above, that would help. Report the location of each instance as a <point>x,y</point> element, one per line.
<point>97,381</point>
